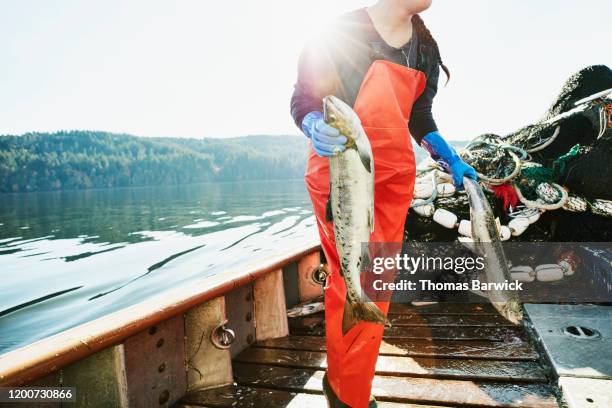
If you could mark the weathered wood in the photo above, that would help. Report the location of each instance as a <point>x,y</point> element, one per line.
<point>428,320</point>
<point>241,317</point>
<point>270,307</point>
<point>155,365</point>
<point>38,359</point>
<point>406,389</point>
<point>412,366</point>
<point>306,324</point>
<point>507,334</point>
<point>207,366</point>
<point>473,349</point>
<point>308,288</point>
<point>291,285</point>
<point>480,309</point>
<point>51,380</point>
<point>449,320</point>
<point>99,379</point>
<point>235,396</point>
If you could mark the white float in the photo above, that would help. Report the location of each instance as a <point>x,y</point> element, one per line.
<point>423,190</point>
<point>549,273</point>
<point>523,273</point>
<point>445,190</point>
<point>445,218</point>
<point>575,204</point>
<point>426,210</point>
<point>518,226</point>
<point>533,218</point>
<point>465,228</point>
<point>504,233</point>
<point>602,207</point>
<point>444,177</point>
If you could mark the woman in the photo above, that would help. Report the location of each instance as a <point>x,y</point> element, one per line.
<point>383,62</point>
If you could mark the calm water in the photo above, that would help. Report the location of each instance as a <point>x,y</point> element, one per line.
<point>70,257</point>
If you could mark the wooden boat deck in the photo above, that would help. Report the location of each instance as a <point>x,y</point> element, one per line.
<point>434,355</point>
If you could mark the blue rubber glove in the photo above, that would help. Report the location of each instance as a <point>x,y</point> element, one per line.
<point>326,140</point>
<point>448,158</point>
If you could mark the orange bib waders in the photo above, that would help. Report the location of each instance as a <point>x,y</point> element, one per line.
<point>384,104</point>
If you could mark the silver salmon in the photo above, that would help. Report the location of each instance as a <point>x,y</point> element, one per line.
<point>485,235</point>
<point>351,175</point>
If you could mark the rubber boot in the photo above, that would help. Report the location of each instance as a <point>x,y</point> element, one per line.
<point>334,402</point>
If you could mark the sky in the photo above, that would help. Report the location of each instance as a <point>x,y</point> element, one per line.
<point>203,68</point>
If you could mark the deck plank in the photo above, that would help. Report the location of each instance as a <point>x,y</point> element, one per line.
<point>236,396</point>
<point>480,309</point>
<point>508,334</point>
<point>476,349</point>
<point>406,389</point>
<point>416,319</point>
<point>435,355</point>
<point>524,371</point>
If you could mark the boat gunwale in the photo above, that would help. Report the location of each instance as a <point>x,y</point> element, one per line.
<point>35,360</point>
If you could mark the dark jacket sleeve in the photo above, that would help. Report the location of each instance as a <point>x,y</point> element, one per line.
<point>303,100</point>
<point>316,78</point>
<point>421,120</point>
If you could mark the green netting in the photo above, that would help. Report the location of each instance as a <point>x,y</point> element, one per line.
<point>560,164</point>
<point>531,177</point>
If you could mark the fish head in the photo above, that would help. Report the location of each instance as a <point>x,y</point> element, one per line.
<point>340,116</point>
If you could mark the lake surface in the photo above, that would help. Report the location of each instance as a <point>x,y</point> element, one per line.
<point>70,257</point>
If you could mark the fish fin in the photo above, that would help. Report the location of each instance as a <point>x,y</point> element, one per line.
<point>349,320</point>
<point>329,214</point>
<point>361,311</point>
<point>365,152</point>
<point>364,260</point>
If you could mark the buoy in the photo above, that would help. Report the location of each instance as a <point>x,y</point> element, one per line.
<point>518,226</point>
<point>423,190</point>
<point>549,273</point>
<point>602,207</point>
<point>465,228</point>
<point>426,210</point>
<point>504,233</point>
<point>548,193</point>
<point>533,218</point>
<point>568,269</point>
<point>575,204</point>
<point>444,177</point>
<point>445,218</point>
<point>523,273</point>
<point>445,190</point>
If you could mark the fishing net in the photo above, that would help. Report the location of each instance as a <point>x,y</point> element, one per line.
<point>561,161</point>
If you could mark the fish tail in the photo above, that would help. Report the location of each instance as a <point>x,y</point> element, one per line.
<point>510,310</point>
<point>366,311</point>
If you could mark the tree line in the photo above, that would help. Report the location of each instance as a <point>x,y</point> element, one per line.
<point>89,159</point>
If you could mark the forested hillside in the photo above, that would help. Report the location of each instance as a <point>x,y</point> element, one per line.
<point>86,159</point>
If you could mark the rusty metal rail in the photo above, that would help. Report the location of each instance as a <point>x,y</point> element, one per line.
<point>45,356</point>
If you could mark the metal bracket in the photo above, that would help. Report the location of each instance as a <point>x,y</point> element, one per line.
<point>320,274</point>
<point>222,337</point>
